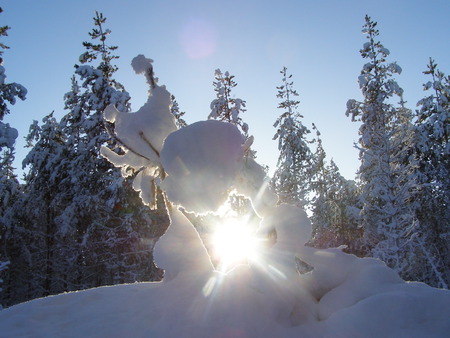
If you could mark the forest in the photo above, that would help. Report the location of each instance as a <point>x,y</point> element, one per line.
<point>75,221</point>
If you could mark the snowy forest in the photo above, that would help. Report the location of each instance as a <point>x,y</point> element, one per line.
<point>75,221</point>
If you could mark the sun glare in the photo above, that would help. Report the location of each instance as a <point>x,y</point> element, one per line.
<point>234,243</point>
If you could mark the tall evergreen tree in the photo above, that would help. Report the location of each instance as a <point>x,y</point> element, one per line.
<point>85,224</point>
<point>111,248</point>
<point>43,270</point>
<point>376,115</point>
<point>8,94</point>
<point>387,172</point>
<point>334,205</point>
<point>293,176</point>
<point>433,147</point>
<point>9,185</point>
<point>8,91</point>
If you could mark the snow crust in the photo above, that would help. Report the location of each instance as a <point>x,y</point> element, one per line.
<point>334,295</point>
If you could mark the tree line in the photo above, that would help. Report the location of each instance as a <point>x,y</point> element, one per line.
<point>398,208</point>
<point>75,221</point>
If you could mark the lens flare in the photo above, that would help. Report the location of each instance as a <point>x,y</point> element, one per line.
<point>234,243</point>
<point>198,38</point>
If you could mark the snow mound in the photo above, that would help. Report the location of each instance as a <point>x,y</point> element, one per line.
<point>201,161</point>
<point>181,253</point>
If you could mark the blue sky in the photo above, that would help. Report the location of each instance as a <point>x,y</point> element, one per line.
<point>318,41</point>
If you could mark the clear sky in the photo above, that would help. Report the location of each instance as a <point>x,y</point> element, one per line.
<point>319,42</point>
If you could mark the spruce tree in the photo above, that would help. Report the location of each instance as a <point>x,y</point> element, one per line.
<point>8,94</point>
<point>293,176</point>
<point>387,172</point>
<point>225,107</point>
<point>8,91</point>
<point>97,222</point>
<point>433,148</point>
<point>46,249</point>
<point>334,205</point>
<point>9,185</point>
<point>376,115</point>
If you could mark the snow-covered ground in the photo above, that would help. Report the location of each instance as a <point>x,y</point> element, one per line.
<point>334,295</point>
<point>343,296</point>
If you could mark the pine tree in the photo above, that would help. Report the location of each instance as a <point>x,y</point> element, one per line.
<point>293,176</point>
<point>8,91</point>
<point>433,148</point>
<point>334,205</point>
<point>88,226</point>
<point>12,241</point>
<point>225,107</point>
<point>8,135</point>
<point>9,185</point>
<point>111,242</point>
<point>376,115</point>
<point>387,172</point>
<point>47,256</point>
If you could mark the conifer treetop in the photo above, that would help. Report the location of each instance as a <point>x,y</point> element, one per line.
<point>375,79</point>
<point>8,91</point>
<point>3,32</point>
<point>100,50</point>
<point>225,107</point>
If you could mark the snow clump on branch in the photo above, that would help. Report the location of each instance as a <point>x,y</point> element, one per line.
<point>197,166</point>
<point>142,134</point>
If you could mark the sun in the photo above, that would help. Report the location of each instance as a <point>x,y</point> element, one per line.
<point>234,243</point>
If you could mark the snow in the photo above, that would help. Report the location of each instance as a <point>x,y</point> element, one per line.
<point>395,68</point>
<point>344,296</point>
<point>362,80</point>
<point>335,295</point>
<point>141,64</point>
<point>142,134</point>
<point>385,51</point>
<point>8,135</point>
<point>201,161</point>
<point>151,124</point>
